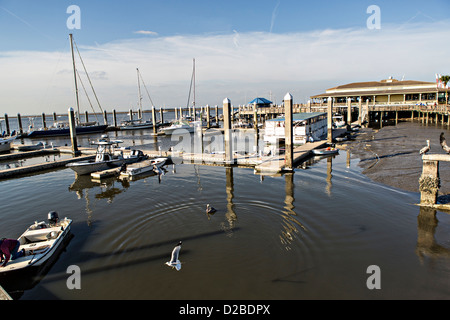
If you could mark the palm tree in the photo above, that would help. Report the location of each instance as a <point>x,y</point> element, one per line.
<point>445,79</point>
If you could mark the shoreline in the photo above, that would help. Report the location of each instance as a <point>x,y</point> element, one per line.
<point>390,155</point>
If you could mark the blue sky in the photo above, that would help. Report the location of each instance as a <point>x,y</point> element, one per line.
<point>242,48</point>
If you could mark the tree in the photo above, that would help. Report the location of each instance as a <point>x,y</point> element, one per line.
<point>445,79</point>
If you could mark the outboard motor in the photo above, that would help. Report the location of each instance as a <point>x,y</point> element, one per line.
<point>53,217</point>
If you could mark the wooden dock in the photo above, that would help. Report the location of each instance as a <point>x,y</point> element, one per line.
<point>14,172</point>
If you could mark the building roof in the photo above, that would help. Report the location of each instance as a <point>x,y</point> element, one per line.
<point>300,116</point>
<point>388,86</point>
<point>260,101</point>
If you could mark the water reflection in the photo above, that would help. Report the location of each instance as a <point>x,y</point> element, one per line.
<point>231,214</point>
<point>427,246</point>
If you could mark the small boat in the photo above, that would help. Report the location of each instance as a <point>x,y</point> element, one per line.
<point>31,147</point>
<point>5,143</point>
<point>338,121</point>
<point>143,166</point>
<point>105,158</point>
<point>62,129</point>
<point>135,124</point>
<point>179,127</point>
<point>40,241</point>
<point>325,151</point>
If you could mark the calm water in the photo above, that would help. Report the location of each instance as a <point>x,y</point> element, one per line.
<point>307,235</point>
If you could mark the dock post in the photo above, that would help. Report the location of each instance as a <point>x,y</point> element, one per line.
<point>54,117</point>
<point>115,118</point>
<point>44,124</point>
<point>73,132</point>
<point>208,116</point>
<point>349,114</point>
<point>130,113</point>
<point>288,134</point>
<point>330,120</point>
<point>154,119</point>
<point>217,115</point>
<point>429,182</point>
<point>19,121</point>
<point>227,131</point>
<point>161,115</point>
<point>359,111</point>
<point>86,116</point>
<point>7,125</point>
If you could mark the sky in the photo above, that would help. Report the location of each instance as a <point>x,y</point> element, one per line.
<point>242,49</point>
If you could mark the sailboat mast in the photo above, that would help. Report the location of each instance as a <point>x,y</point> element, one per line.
<point>139,93</point>
<point>75,78</point>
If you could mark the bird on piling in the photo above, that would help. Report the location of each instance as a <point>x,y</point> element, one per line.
<point>443,143</point>
<point>174,262</point>
<point>425,149</point>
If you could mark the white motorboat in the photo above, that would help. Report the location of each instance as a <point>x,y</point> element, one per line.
<point>136,124</point>
<point>143,167</point>
<point>31,147</point>
<point>179,127</point>
<point>40,241</point>
<point>5,143</point>
<point>105,158</point>
<point>338,121</point>
<point>325,151</point>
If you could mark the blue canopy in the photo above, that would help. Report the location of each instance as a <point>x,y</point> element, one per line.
<point>260,101</point>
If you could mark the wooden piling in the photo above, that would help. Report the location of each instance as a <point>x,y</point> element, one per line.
<point>227,131</point>
<point>73,132</point>
<point>115,118</point>
<point>208,116</point>
<point>8,132</point>
<point>19,121</point>
<point>330,120</point>
<point>154,119</point>
<point>349,114</point>
<point>288,132</point>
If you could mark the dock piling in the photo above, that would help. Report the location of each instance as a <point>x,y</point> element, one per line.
<point>288,130</point>
<point>330,120</point>
<point>227,131</point>
<point>73,132</point>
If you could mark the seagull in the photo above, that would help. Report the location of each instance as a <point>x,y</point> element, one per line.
<point>444,145</point>
<point>209,209</point>
<point>426,148</point>
<point>174,262</point>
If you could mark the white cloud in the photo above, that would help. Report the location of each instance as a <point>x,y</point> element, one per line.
<point>238,66</point>
<point>145,32</point>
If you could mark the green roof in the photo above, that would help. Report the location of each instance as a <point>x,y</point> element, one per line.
<point>301,116</point>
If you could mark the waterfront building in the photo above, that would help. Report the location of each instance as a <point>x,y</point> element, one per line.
<point>307,125</point>
<point>388,92</point>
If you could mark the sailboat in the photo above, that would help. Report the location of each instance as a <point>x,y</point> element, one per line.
<point>62,128</point>
<point>138,123</point>
<point>185,124</point>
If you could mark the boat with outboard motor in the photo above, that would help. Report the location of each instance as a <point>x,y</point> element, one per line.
<point>143,166</point>
<point>105,158</point>
<point>39,242</point>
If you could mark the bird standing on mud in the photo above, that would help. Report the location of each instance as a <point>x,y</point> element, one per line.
<point>443,143</point>
<point>426,148</point>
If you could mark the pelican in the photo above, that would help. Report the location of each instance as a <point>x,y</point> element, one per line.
<point>426,148</point>
<point>209,209</point>
<point>174,262</point>
<point>444,145</point>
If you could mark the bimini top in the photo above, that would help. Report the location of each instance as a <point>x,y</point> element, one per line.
<point>260,101</point>
<point>301,116</point>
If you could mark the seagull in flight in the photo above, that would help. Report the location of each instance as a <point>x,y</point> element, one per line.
<point>174,262</point>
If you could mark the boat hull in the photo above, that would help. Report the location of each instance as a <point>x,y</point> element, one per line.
<point>143,166</point>
<point>66,131</point>
<point>38,252</point>
<point>5,144</point>
<point>89,166</point>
